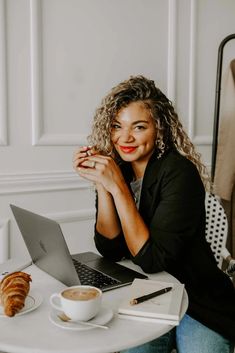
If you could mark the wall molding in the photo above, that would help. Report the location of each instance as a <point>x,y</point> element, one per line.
<point>3,77</point>
<point>198,140</point>
<point>73,216</point>
<point>40,182</point>
<point>171,57</point>
<point>4,240</point>
<point>202,140</point>
<point>39,137</point>
<point>192,70</point>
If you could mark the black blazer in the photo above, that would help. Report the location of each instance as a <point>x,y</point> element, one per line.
<point>172,204</point>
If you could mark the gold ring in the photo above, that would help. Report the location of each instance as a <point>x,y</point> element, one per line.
<point>93,164</point>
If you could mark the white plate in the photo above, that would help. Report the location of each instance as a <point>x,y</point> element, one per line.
<point>32,302</point>
<point>102,318</point>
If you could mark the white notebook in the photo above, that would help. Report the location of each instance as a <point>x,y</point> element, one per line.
<point>164,308</point>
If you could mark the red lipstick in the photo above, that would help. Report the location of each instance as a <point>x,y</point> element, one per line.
<point>127,149</point>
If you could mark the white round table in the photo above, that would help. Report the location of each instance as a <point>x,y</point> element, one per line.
<point>33,332</point>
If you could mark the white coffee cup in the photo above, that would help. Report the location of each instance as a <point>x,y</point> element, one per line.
<point>79,302</point>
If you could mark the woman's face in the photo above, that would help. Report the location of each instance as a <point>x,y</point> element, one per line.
<point>133,133</point>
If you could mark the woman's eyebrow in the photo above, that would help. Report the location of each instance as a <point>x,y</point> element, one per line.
<point>140,121</point>
<point>134,122</point>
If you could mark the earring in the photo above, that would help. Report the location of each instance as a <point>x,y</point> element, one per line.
<point>160,147</point>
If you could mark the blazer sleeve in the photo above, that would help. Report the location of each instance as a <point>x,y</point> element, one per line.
<point>113,249</point>
<point>178,218</point>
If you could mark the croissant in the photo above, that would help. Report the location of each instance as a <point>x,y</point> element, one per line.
<point>14,289</point>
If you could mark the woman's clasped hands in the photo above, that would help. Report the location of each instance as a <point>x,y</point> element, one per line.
<point>91,165</point>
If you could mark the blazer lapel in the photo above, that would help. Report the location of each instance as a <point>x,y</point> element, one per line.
<point>150,188</point>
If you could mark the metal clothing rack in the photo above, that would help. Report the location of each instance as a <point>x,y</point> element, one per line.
<point>217,101</point>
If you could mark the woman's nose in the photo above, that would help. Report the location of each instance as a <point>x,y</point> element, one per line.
<point>127,136</point>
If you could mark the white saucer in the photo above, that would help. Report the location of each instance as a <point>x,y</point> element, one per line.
<point>102,318</point>
<point>32,302</point>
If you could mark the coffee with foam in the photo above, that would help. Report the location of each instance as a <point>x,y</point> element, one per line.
<point>81,293</point>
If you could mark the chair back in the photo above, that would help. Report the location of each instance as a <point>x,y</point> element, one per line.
<point>216,226</point>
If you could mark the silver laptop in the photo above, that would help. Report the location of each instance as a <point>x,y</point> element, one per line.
<point>49,251</point>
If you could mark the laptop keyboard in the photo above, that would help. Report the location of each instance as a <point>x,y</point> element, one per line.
<point>89,276</point>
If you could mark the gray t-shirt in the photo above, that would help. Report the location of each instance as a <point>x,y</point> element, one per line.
<point>136,186</point>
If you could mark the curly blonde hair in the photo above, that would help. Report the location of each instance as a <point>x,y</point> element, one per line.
<point>170,132</point>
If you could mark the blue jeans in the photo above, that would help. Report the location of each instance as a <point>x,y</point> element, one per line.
<point>189,336</point>
<point>163,344</point>
<point>193,337</point>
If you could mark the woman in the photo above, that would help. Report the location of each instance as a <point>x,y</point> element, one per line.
<point>150,208</point>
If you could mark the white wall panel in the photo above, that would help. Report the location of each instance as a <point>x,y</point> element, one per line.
<point>79,49</point>
<point>3,81</point>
